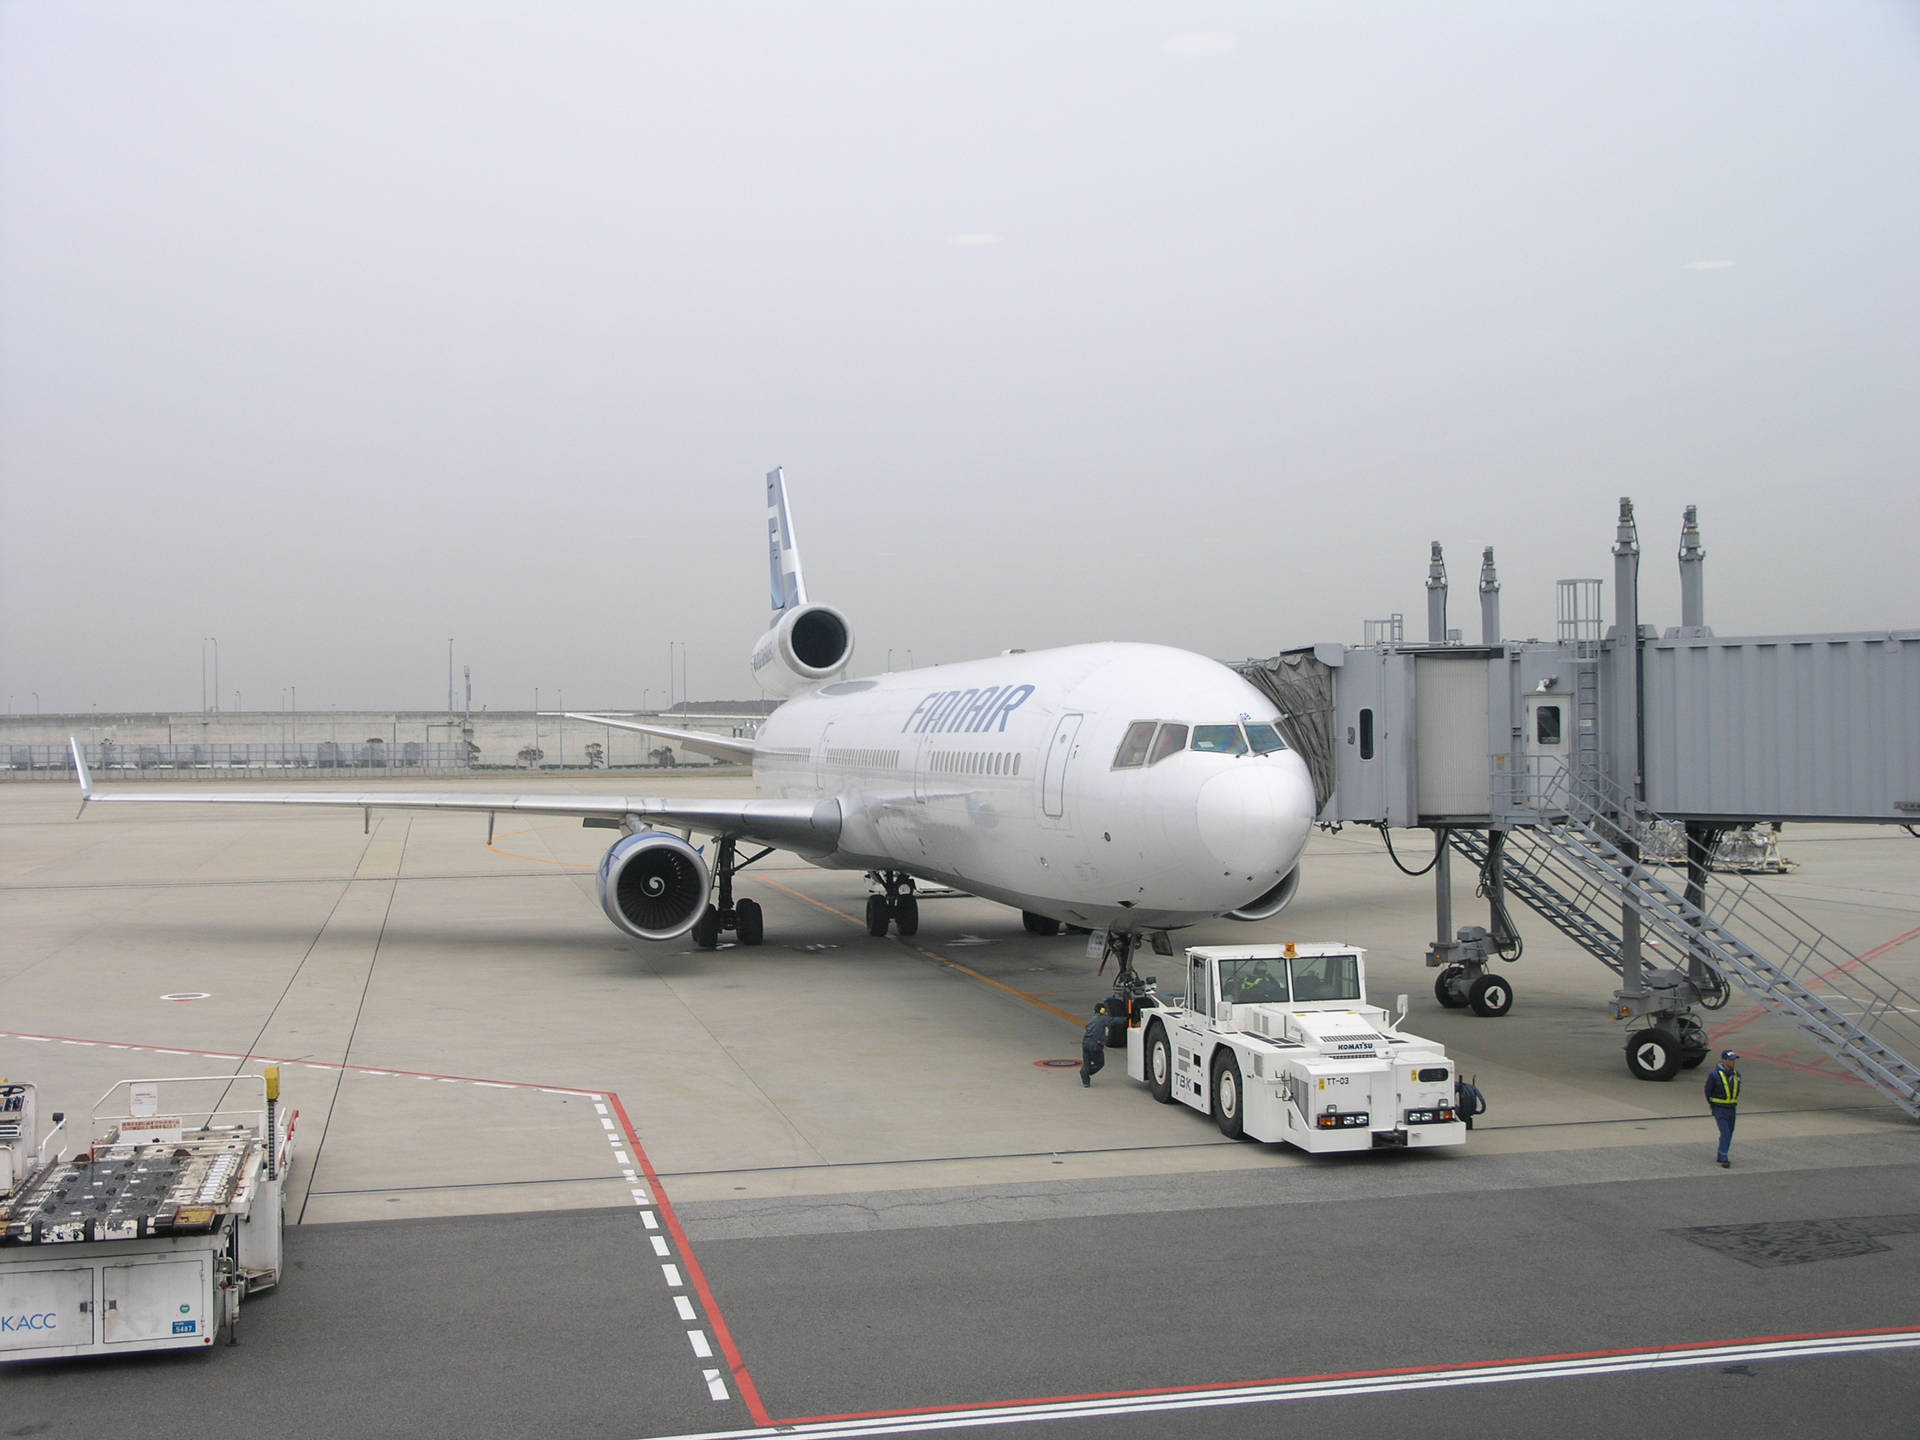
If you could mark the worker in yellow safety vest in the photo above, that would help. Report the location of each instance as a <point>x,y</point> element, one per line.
<point>1723,1098</point>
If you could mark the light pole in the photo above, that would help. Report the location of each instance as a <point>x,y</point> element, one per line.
<point>36,702</point>
<point>216,672</point>
<point>562,707</point>
<point>536,728</point>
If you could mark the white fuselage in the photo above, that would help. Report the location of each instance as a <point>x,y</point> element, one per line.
<point>997,777</point>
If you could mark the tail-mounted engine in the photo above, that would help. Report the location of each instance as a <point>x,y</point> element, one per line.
<point>807,646</point>
<point>653,885</point>
<point>1271,903</point>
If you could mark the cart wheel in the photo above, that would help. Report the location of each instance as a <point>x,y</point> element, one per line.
<point>1444,989</point>
<point>749,925</point>
<point>906,915</point>
<point>877,915</point>
<point>1490,996</point>
<point>1159,1064</point>
<point>706,930</point>
<point>1653,1054</point>
<point>1227,1108</point>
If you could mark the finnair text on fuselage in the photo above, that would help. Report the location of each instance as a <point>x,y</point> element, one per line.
<point>973,711</point>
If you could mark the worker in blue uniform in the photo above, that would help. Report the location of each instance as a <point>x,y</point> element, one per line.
<point>1723,1098</point>
<point>1093,1045</point>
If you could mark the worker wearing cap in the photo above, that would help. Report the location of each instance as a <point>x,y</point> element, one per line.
<point>1723,1098</point>
<point>1093,1045</point>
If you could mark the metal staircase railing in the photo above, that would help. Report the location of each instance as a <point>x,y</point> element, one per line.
<point>1527,874</point>
<point>1747,935</point>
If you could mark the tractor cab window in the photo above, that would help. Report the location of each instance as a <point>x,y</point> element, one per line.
<point>1326,977</point>
<point>1134,745</point>
<point>1255,981</point>
<point>1171,740</point>
<point>1264,739</point>
<point>1219,739</point>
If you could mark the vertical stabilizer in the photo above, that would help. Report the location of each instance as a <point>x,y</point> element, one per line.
<point>783,556</point>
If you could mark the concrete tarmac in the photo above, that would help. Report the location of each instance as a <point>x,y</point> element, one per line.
<point>872,1191</point>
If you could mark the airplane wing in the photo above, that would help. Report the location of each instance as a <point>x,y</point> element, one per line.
<point>807,827</point>
<point>720,747</point>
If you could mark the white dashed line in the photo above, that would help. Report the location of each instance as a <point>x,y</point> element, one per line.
<point>660,1245</point>
<point>716,1387</point>
<point>684,1306</point>
<point>672,1274</point>
<point>646,1219</point>
<point>698,1338</point>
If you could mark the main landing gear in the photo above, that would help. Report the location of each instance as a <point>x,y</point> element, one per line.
<point>892,904</point>
<point>742,918</point>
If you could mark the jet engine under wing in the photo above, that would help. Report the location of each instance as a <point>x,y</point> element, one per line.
<point>806,827</point>
<point>701,742</point>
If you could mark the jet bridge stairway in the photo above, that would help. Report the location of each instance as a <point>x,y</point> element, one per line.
<point>1575,862</point>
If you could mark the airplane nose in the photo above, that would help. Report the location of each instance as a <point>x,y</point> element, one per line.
<point>1255,817</point>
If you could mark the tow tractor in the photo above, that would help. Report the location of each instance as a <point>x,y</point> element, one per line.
<point>1278,1043</point>
<point>150,1237</point>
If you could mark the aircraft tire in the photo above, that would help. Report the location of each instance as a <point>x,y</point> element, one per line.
<point>1159,1064</point>
<point>1443,988</point>
<point>1229,1098</point>
<point>749,924</point>
<point>906,916</point>
<point>877,916</point>
<point>706,930</point>
<point>1653,1054</point>
<point>1490,996</point>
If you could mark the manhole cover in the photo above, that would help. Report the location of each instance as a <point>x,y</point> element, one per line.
<point>1057,1064</point>
<point>187,995</point>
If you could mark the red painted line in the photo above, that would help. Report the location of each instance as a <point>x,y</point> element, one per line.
<point>736,1363</point>
<point>1457,1368</point>
<point>1747,1017</point>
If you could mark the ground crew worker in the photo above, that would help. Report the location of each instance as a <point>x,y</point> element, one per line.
<point>1723,1098</point>
<point>1093,1045</point>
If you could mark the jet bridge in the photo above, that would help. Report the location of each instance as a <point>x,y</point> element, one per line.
<point>1551,764</point>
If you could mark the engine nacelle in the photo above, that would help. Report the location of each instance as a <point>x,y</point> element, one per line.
<point>1271,903</point>
<point>806,647</point>
<point>653,885</point>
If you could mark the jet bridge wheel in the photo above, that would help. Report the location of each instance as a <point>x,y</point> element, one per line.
<point>1159,1065</point>
<point>1229,1111</point>
<point>1490,996</point>
<point>1653,1053</point>
<point>1446,987</point>
<point>749,925</point>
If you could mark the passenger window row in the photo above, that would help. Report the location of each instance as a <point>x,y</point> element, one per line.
<point>864,759</point>
<point>975,762</point>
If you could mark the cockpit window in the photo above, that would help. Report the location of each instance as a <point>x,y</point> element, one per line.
<point>1254,981</point>
<point>1171,740</point>
<point>1264,739</point>
<point>1326,977</point>
<point>1219,739</point>
<point>1133,747</point>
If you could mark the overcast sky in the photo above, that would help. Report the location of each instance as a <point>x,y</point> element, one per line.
<point>335,330</point>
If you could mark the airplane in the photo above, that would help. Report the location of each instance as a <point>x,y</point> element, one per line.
<point>1129,789</point>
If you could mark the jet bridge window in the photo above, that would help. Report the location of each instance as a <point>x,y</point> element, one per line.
<point>1133,747</point>
<point>1326,977</point>
<point>1219,739</point>
<point>1264,739</point>
<point>1546,725</point>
